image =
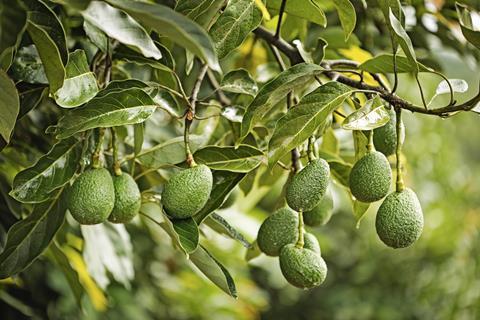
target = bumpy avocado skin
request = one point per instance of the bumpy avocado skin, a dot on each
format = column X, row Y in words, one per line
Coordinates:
column 187, row 192
column 303, row 268
column 385, row 138
column 311, row 243
column 92, row 196
column 127, row 199
column 371, row 177
column 321, row 214
column 399, row 221
column 278, row 230
column 308, row 186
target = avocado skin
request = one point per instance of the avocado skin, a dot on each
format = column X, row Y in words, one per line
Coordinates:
column 278, row 230
column 371, row 177
column 187, row 192
column 127, row 199
column 92, row 196
column 399, row 220
column 303, row 268
column 385, row 137
column 307, row 187
column 321, row 214
column 311, row 243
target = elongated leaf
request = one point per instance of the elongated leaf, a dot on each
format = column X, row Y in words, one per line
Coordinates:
column 234, row 24
column 214, row 270
column 52, row 171
column 239, row 81
column 75, row 4
column 28, row 67
column 28, row 238
column 96, row 36
column 113, row 109
column 372, row 115
column 188, row 234
column 13, row 21
column 30, row 97
column 304, row 9
column 48, row 36
column 219, row 224
column 223, row 183
column 383, row 63
column 253, row 251
column 359, row 210
column 301, row 121
column 469, row 31
column 9, row 106
column 201, row 11
column 242, row 159
column 404, row 41
column 391, row 5
column 80, row 84
column 127, row 54
column 120, row 26
column 177, row 27
column 458, row 85
column 121, row 85
column 275, row 90
column 347, row 15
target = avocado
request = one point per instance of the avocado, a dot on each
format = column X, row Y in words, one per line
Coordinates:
column 399, row 221
column 371, row 177
column 127, row 199
column 187, row 192
column 385, row 137
column 311, row 242
column 302, row 267
column 231, row 198
column 92, row 196
column 321, row 214
column 307, row 187
column 277, row 230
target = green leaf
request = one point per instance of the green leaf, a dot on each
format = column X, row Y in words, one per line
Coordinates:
column 9, row 106
column 48, row 35
column 75, row 4
column 303, row 9
column 271, row 93
column 469, row 31
column 220, row 225
column 27, row 66
column 121, row 85
column 168, row 153
column 116, row 108
column 28, row 238
column 391, row 5
column 241, row 159
column 359, row 210
column 238, row 19
column 13, row 21
column 177, row 27
column 404, row 41
column 96, row 36
column 214, row 270
column 52, row 171
column 253, row 251
column 188, row 234
column 120, row 26
column 383, row 63
column 223, row 183
column 138, row 137
column 201, row 11
column 80, row 84
column 239, row 81
column 127, row 54
column 458, row 85
column 30, row 97
column 301, row 121
column 347, row 15
column 372, row 115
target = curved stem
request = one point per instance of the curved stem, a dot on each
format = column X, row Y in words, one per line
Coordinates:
column 421, row 92
column 400, row 185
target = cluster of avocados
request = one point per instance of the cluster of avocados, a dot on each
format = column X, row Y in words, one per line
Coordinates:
column 281, row 234
column 96, row 196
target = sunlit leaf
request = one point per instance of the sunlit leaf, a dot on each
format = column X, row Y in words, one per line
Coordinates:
column 239, row 81
column 458, row 85
column 241, row 159
column 304, row 9
column 372, row 115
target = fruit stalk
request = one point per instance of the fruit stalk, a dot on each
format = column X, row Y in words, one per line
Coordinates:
column 311, row 148
column 400, row 185
column 370, row 146
column 98, row 149
column 116, row 164
column 300, row 241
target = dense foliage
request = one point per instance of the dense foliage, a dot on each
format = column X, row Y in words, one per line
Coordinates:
column 136, row 135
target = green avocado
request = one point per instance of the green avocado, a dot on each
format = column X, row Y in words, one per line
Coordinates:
column 92, row 196
column 307, row 187
column 399, row 221
column 277, row 230
column 385, row 137
column 231, row 198
column 302, row 267
column 127, row 199
column 311, row 242
column 187, row 192
column 321, row 214
column 371, row 177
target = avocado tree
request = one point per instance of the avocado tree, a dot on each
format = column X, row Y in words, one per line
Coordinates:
column 164, row 112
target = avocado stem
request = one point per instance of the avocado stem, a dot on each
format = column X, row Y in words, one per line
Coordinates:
column 400, row 185
column 370, row 145
column 96, row 163
column 311, row 148
column 300, row 240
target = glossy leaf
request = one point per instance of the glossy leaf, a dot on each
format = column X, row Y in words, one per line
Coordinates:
column 48, row 35
column 172, row 24
column 303, row 120
column 28, row 238
column 253, row 251
column 241, row 159
column 219, row 224
column 470, row 32
column 9, row 106
column 116, row 108
column 121, row 85
column 188, row 234
column 201, row 11
column 303, row 9
column 404, row 41
column 347, row 15
column 359, row 210
column 214, row 270
column 13, row 21
column 372, row 115
column 383, row 63
column 52, row 171
column 127, row 54
column 96, row 36
column 458, row 85
column 238, row 19
column 80, row 84
column 30, row 97
column 275, row 90
column 391, row 5
column 120, row 26
column 28, row 67
column 75, row 4
column 239, row 81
